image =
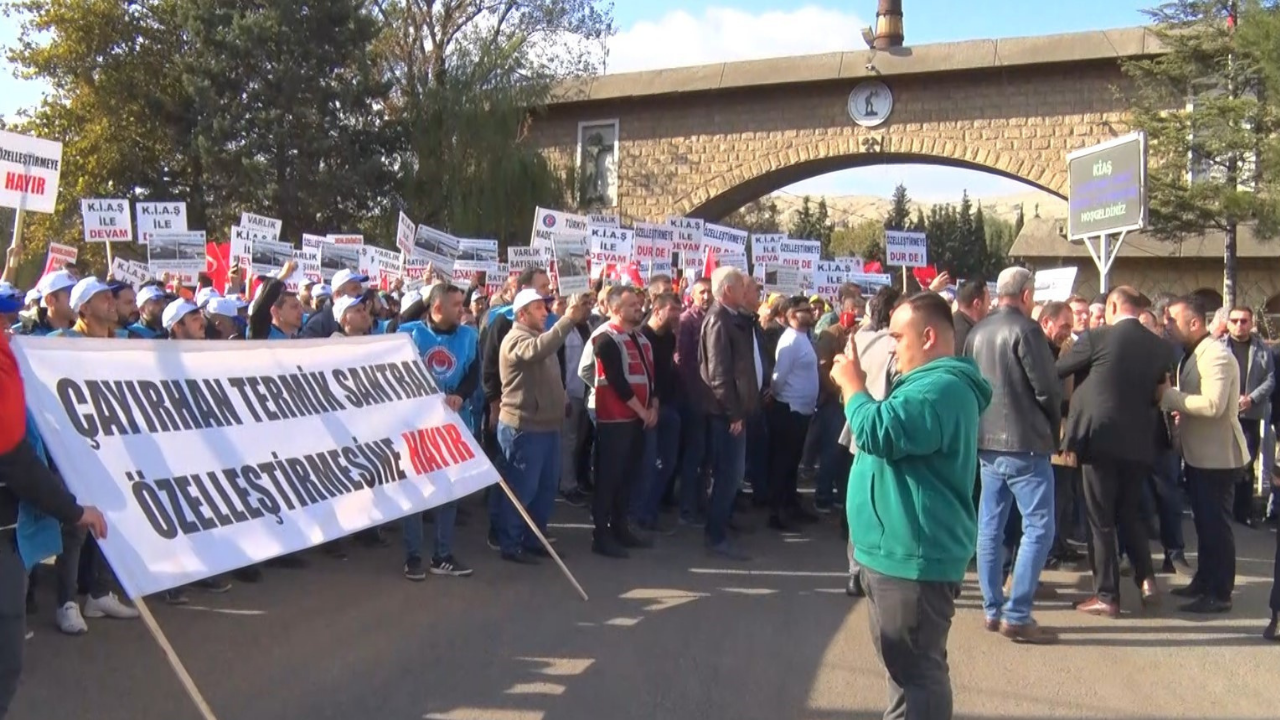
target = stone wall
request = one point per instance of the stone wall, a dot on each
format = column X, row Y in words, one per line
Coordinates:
column 705, row 154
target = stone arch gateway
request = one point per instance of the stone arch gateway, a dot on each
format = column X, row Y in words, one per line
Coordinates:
column 703, row 141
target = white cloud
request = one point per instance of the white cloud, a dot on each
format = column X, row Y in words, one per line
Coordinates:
column 722, row 34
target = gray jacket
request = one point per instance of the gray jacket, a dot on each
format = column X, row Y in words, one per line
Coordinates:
column 1259, row 377
column 875, row 354
column 1014, row 356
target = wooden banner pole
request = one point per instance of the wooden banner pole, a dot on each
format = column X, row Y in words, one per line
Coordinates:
column 175, row 662
column 534, row 527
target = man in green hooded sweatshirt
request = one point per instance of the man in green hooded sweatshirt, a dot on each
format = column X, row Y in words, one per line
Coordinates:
column 910, row 504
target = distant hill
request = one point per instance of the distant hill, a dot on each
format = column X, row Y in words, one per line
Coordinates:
column 853, row 209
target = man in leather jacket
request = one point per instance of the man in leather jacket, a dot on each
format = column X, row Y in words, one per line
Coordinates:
column 1016, row 438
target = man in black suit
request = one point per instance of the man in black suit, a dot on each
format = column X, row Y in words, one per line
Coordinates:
column 1111, row 429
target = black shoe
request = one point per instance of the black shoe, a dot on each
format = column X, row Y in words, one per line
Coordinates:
column 630, row 540
column 1180, row 565
column 520, row 558
column 1206, row 605
column 575, row 498
column 1272, row 633
column 657, row 528
column 1187, row 591
column 777, row 523
column 449, row 565
column 609, row 548
column 251, row 574
column 854, row 588
column 413, row 569
column 540, row 551
column 492, row 540
column 803, row 516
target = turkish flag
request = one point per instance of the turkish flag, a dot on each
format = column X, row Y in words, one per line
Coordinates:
column 217, row 263
column 710, row 263
column 925, row 275
column 872, row 267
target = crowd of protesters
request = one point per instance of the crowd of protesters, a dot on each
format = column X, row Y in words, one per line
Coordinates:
column 699, row 401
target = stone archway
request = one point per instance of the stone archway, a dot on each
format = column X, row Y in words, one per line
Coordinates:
column 735, row 188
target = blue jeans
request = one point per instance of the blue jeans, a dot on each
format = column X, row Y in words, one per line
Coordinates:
column 693, row 489
column 533, row 472
column 446, row 517
column 728, row 461
column 1024, row 479
column 661, row 443
column 833, row 465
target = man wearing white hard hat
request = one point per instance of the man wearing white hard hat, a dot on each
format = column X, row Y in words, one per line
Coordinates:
column 183, row 321
column 54, row 311
column 151, row 301
column 323, row 323
column 95, row 308
column 222, row 319
column 205, row 294
column 351, row 315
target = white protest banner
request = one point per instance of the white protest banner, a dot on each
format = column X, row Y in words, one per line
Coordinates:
column 474, row 257
column 374, row 260
column 415, row 273
column 338, row 257
column 212, row 472
column 829, row 275
column 611, row 245
column 905, row 248
column 688, row 240
column 179, row 253
column 269, row 227
column 437, row 246
column 494, row 281
column 405, row 230
column 802, row 254
column 855, row 260
column 269, row 256
column 782, row 279
column 652, row 248
column 604, row 220
column 30, row 167
column 106, row 220
column 58, row 257
column 765, row 249
column 724, row 238
column 157, row 217
column 134, row 273
column 524, row 258
column 346, row 239
column 547, row 224
column 1055, row 284
column 307, row 267
column 571, row 264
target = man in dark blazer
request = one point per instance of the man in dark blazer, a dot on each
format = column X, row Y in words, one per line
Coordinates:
column 1111, row 428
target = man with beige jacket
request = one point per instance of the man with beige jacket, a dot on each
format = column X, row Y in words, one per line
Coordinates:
column 1205, row 402
column 531, row 413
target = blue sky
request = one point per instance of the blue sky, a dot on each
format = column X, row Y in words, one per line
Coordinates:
column 692, row 32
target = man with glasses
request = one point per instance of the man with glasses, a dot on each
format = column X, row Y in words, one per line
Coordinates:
column 1257, row 380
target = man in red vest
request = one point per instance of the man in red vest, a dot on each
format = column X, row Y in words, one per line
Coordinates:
column 624, row 403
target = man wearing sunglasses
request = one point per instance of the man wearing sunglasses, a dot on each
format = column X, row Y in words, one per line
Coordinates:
column 1257, row 380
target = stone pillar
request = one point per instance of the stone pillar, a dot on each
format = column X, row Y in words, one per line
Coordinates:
column 888, row 24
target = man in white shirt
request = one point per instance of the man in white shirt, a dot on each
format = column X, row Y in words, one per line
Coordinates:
column 795, row 397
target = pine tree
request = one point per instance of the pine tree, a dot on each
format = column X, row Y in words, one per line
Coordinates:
column 1200, row 101
column 1018, row 222
column 979, row 243
column 900, row 212
column 758, row 216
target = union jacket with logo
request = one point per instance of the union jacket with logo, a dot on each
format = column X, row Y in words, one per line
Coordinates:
column 623, row 370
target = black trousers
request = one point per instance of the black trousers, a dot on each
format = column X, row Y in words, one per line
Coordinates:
column 910, row 622
column 787, row 431
column 1275, row 579
column 1064, row 496
column 1113, row 498
column 619, row 456
column 1242, row 506
column 13, row 618
column 1211, row 494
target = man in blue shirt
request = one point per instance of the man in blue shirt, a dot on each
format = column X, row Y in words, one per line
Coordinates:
column 795, row 397
column 450, row 351
column 54, row 311
column 151, row 300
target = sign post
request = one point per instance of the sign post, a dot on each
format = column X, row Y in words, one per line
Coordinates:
column 29, row 172
column 906, row 248
column 1107, row 186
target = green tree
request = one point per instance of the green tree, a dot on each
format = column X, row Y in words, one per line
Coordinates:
column 758, row 216
column 464, row 76
column 866, row 240
column 812, row 222
column 900, row 212
column 999, row 235
column 1018, row 222
column 1200, row 101
column 291, row 111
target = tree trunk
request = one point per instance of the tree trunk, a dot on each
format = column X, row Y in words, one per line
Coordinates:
column 1229, row 267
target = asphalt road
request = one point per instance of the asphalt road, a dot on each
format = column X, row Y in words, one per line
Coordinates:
column 671, row 634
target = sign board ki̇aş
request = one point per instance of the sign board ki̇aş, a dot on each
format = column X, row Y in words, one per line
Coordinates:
column 1107, row 187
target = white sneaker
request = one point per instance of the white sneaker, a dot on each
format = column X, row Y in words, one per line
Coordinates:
column 70, row 621
column 108, row 606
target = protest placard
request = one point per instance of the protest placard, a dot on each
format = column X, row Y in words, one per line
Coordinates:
column 1055, row 284
column 474, row 257
column 375, row 260
column 520, row 259
column 604, row 220
column 134, row 273
column 30, row 168
column 611, row 245
column 345, row 239
column 58, row 256
column 201, row 472
column 548, row 224
column 178, row 253
column 405, row 230
column 106, row 220
column 905, row 248
column 571, row 264
column 765, row 249
column 783, row 279
column 338, row 257
column 269, row 257
column 157, row 217
column 437, row 246
column 269, row 227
